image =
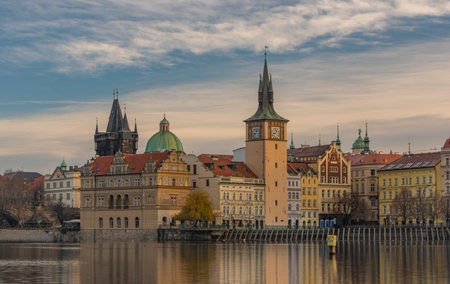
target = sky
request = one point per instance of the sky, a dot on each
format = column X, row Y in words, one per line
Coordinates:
column 387, row 62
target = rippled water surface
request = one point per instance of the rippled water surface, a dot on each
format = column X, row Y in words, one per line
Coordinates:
column 148, row 262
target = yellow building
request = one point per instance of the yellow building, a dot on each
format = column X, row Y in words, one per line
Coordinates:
column 332, row 171
column 410, row 188
column 265, row 152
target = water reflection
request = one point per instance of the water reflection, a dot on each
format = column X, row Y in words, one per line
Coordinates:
column 148, row 262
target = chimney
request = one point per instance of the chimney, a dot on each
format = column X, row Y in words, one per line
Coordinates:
column 76, row 168
column 70, row 168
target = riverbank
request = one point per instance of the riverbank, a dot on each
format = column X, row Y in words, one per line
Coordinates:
column 38, row 236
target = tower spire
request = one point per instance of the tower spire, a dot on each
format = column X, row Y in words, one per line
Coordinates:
column 366, row 141
column 135, row 125
column 292, row 146
column 96, row 125
column 338, row 140
column 320, row 140
column 265, row 96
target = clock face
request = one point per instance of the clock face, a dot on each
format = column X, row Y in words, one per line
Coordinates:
column 255, row 133
column 275, row 132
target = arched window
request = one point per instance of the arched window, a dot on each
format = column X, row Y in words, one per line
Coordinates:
column 174, row 182
column 119, row 223
column 111, row 201
column 126, row 201
column 119, row 202
column 100, row 222
column 126, row 222
column 111, row 222
column 136, row 221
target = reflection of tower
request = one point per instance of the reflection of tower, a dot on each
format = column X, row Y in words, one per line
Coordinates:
column 265, row 152
column 118, row 136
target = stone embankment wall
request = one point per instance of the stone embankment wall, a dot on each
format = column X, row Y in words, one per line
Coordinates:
column 38, row 236
column 118, row 235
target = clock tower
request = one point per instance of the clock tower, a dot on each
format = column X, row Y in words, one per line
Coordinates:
column 266, row 152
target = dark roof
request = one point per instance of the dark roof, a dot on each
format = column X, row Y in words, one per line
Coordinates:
column 24, row 175
column 222, row 165
column 115, row 117
column 265, row 99
column 372, row 159
column 309, row 151
column 414, row 161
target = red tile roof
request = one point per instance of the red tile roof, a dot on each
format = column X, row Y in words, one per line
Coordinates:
column 414, row 161
column 373, row 159
column 136, row 162
column 37, row 183
column 446, row 144
column 296, row 168
column 222, row 165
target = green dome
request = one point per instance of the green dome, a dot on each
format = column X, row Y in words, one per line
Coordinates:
column 164, row 140
column 63, row 164
column 359, row 142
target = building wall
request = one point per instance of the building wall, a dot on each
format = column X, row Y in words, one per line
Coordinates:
column 309, row 199
column 365, row 183
column 445, row 176
column 294, row 199
column 416, row 181
column 267, row 158
column 63, row 185
column 334, row 183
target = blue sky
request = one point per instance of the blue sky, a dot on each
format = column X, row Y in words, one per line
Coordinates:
column 387, row 62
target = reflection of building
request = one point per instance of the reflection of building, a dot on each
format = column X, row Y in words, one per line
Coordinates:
column 64, row 184
column 265, row 152
column 365, row 184
column 333, row 177
column 294, row 175
column 118, row 137
column 236, row 193
column 420, row 176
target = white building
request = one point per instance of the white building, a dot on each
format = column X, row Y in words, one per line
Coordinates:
column 63, row 184
column 294, row 196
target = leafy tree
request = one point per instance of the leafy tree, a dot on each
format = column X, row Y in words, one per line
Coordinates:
column 198, row 207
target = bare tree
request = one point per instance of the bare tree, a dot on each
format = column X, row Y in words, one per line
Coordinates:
column 60, row 211
column 435, row 208
column 403, row 204
column 445, row 208
column 346, row 204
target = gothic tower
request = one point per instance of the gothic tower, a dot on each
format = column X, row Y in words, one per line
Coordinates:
column 118, row 136
column 265, row 153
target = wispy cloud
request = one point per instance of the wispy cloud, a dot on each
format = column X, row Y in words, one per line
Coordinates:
column 92, row 36
column 402, row 91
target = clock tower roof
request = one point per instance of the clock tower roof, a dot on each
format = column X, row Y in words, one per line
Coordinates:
column 265, row 110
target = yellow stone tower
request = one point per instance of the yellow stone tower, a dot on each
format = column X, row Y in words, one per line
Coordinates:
column 266, row 152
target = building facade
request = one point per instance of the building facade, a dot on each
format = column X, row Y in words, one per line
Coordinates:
column 133, row 192
column 294, row 196
column 64, row 185
column 236, row 193
column 333, row 180
column 365, row 184
column 410, row 188
column 445, row 165
column 265, row 152
column 118, row 137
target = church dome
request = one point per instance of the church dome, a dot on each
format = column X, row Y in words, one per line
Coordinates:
column 359, row 142
column 164, row 140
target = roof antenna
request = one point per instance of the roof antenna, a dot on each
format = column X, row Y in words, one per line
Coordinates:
column 409, row 146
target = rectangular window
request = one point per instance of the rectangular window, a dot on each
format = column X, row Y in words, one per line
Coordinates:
column 431, row 179
column 48, row 185
column 68, row 196
column 362, row 187
column 417, row 180
column 372, row 187
column 195, row 170
column 372, row 172
column 61, row 184
column 395, row 181
column 207, row 182
column 173, row 201
column 68, row 184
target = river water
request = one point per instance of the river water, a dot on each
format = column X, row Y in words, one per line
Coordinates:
column 149, row 262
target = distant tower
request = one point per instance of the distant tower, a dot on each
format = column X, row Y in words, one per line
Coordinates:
column 118, row 136
column 358, row 145
column 292, row 146
column 265, row 152
column 338, row 140
column 366, row 142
